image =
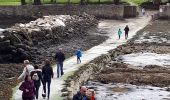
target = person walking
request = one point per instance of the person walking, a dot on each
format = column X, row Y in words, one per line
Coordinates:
column 143, row 11
column 119, row 33
column 28, row 89
column 59, row 57
column 27, row 70
column 36, row 76
column 47, row 74
column 81, row 94
column 126, row 31
column 78, row 54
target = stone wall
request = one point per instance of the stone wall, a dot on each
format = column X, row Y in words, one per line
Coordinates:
column 164, row 11
column 130, row 11
column 101, row 11
column 81, row 76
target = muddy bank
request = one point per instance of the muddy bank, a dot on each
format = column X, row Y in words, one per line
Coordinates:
column 109, row 69
column 9, row 73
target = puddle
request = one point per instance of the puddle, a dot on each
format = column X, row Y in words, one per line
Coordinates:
column 143, row 59
column 153, row 37
column 128, row 92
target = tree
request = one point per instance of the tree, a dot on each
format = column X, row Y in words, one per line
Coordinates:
column 53, row 1
column 82, row 2
column 37, row 2
column 23, row 2
column 156, row 2
column 98, row 1
column 116, row 2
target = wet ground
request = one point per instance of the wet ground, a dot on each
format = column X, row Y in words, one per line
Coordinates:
column 119, row 91
column 142, row 62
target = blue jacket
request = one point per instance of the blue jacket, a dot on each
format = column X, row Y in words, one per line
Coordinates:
column 78, row 53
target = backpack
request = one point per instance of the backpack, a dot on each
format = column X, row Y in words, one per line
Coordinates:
column 35, row 77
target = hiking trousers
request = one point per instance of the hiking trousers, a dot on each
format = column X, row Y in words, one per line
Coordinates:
column 48, row 82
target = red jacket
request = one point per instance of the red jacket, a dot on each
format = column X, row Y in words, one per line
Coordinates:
column 29, row 86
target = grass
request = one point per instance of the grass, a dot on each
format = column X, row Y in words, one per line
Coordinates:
column 136, row 2
column 9, row 3
column 139, row 2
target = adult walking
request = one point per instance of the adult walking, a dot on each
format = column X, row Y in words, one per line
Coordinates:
column 59, row 57
column 47, row 74
column 27, row 70
column 36, row 76
column 28, row 89
column 126, row 31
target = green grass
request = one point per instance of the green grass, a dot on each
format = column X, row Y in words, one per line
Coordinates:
column 9, row 3
column 17, row 2
column 136, row 2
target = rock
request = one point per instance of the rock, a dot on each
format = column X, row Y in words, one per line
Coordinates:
column 5, row 43
column 168, row 89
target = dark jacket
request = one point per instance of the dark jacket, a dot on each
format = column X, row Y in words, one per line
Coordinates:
column 60, row 57
column 47, row 72
column 78, row 96
column 37, row 82
column 126, row 29
column 29, row 86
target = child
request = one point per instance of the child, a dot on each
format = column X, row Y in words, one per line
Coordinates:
column 78, row 54
column 119, row 33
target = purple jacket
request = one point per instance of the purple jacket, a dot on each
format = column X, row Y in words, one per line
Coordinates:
column 29, row 86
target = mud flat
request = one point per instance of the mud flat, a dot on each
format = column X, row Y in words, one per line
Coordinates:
column 119, row 91
column 142, row 61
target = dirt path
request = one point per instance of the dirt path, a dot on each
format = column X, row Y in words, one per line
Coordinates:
column 70, row 64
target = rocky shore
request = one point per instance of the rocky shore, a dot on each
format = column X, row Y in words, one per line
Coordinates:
column 112, row 68
column 39, row 39
column 22, row 41
column 152, row 39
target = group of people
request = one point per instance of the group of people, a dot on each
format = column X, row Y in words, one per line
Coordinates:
column 33, row 76
column 84, row 94
column 126, row 29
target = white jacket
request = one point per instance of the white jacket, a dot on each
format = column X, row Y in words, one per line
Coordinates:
column 26, row 69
